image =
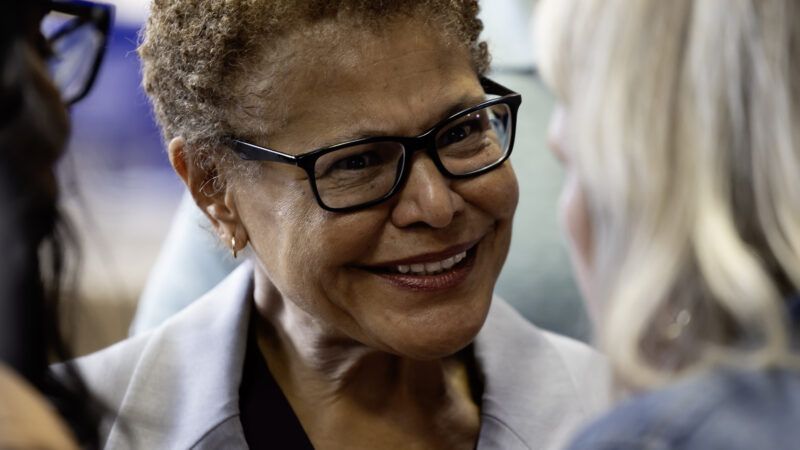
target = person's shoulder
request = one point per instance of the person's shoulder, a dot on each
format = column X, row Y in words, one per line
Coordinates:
column 210, row 327
column 506, row 323
column 190, row 365
column 577, row 355
column 725, row 408
column 515, row 340
column 109, row 371
column 587, row 368
column 538, row 386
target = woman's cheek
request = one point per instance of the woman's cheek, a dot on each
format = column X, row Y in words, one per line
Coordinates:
column 509, row 195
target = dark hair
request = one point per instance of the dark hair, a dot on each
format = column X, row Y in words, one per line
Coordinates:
column 33, row 131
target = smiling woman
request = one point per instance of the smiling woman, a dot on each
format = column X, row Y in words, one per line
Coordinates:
column 362, row 156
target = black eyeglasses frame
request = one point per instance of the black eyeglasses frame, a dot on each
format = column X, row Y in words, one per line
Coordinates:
column 101, row 16
column 426, row 141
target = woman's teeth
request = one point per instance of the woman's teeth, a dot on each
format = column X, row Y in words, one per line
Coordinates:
column 432, row 267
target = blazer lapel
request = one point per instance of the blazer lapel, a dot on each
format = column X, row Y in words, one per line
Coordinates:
column 185, row 385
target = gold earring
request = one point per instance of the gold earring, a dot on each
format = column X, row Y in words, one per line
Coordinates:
column 233, row 246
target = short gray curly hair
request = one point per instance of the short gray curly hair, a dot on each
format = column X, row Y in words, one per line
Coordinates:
column 194, row 51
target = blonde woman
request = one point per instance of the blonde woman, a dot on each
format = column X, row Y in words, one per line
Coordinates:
column 678, row 126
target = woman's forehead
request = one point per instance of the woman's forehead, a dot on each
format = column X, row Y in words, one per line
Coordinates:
column 397, row 82
column 351, row 58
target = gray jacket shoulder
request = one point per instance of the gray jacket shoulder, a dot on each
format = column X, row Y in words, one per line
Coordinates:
column 109, row 371
column 143, row 380
column 539, row 387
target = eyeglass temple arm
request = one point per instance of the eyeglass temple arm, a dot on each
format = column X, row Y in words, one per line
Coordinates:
column 492, row 87
column 255, row 153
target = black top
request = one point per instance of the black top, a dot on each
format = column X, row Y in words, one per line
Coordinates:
column 267, row 418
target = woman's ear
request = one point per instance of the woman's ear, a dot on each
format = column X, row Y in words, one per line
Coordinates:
column 219, row 205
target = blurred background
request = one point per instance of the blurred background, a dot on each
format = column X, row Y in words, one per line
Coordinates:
column 121, row 194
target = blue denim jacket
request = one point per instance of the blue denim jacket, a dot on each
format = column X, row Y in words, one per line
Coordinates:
column 725, row 410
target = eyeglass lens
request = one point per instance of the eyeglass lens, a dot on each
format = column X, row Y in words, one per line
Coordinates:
column 75, row 46
column 363, row 173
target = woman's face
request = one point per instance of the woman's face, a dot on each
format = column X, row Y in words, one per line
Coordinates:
column 343, row 268
column 573, row 210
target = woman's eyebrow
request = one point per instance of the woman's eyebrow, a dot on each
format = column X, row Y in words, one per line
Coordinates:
column 466, row 101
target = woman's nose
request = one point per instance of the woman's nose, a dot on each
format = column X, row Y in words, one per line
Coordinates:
column 427, row 197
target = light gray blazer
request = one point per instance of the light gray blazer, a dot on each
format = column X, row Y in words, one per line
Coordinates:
column 177, row 387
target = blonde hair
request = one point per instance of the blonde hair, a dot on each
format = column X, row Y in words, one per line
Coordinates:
column 686, row 124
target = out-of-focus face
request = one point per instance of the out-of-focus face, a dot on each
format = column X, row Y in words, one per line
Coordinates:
column 26, row 420
column 346, row 269
column 573, row 209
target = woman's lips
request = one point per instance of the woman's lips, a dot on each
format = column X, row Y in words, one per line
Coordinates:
column 431, row 268
column 431, row 276
column 426, row 257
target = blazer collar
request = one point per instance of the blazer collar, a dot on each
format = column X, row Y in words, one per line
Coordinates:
column 186, row 382
column 529, row 391
column 533, row 398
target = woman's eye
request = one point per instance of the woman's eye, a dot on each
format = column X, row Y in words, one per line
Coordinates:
column 357, row 162
column 456, row 134
column 470, row 128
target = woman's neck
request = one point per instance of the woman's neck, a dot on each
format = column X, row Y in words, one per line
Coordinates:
column 335, row 383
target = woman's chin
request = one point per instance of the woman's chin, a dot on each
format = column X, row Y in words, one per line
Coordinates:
column 437, row 338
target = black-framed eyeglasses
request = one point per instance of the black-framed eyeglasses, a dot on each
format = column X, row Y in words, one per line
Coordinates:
column 364, row 172
column 77, row 33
